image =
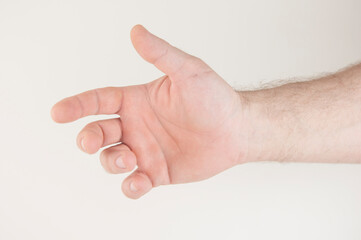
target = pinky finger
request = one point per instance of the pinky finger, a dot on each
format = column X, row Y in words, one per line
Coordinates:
column 136, row 185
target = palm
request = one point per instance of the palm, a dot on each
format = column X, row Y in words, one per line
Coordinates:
column 179, row 128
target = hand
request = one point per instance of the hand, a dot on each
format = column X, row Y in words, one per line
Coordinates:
column 185, row 126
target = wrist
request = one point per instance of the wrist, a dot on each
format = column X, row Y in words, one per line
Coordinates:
column 268, row 139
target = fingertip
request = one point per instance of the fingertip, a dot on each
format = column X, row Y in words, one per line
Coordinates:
column 138, row 38
column 89, row 142
column 136, row 185
column 118, row 159
column 137, row 29
column 64, row 111
column 54, row 113
column 147, row 45
column 129, row 161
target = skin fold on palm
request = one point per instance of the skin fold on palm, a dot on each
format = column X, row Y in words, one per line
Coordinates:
column 185, row 126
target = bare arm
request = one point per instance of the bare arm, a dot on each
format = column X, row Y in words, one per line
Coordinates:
column 313, row 121
column 189, row 124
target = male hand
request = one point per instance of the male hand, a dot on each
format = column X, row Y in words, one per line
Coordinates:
column 185, row 126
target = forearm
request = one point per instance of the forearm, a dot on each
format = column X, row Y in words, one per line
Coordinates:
column 313, row 121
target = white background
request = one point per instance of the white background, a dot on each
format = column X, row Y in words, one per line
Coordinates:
column 52, row 49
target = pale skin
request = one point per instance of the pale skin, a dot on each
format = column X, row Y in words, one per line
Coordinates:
column 189, row 124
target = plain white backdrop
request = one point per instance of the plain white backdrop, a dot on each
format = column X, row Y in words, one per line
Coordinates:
column 51, row 49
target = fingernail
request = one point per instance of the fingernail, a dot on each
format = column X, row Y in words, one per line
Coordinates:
column 119, row 162
column 132, row 187
column 82, row 144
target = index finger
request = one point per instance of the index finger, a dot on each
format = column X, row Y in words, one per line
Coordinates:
column 98, row 101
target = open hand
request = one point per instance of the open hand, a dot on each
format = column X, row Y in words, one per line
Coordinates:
column 185, row 126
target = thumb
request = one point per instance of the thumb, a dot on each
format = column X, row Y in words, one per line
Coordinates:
column 168, row 59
